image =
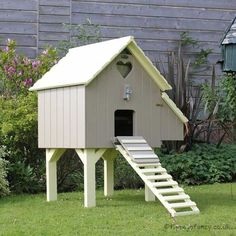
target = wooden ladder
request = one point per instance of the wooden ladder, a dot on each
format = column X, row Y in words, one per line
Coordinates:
column 145, row 162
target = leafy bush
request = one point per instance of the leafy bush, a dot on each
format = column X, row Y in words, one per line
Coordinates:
column 18, row 117
column 18, row 72
column 125, row 176
column 220, row 102
column 186, row 93
column 204, row 164
column 18, row 133
column 4, row 186
column 70, row 173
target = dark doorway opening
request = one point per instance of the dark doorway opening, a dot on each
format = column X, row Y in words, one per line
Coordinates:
column 124, row 123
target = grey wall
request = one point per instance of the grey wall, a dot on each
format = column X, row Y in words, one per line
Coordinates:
column 61, row 120
column 104, row 95
column 156, row 24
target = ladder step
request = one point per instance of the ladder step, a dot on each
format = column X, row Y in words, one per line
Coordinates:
column 182, row 204
column 133, row 141
column 177, row 197
column 170, row 190
column 158, row 177
column 129, row 137
column 144, row 156
column 153, row 170
column 185, row 213
column 146, row 160
column 157, row 164
column 139, row 148
column 164, row 184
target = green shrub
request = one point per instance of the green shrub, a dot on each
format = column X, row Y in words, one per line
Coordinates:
column 18, row 72
column 204, row 164
column 4, row 186
column 18, row 133
column 70, row 173
column 125, row 176
column 18, row 117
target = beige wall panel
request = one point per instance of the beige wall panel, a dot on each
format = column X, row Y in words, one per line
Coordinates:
column 60, row 117
column 105, row 95
column 81, row 116
column 41, row 123
column 172, row 127
column 65, row 122
column 92, row 116
column 155, row 112
column 67, row 117
column 53, row 117
column 47, row 117
column 73, row 116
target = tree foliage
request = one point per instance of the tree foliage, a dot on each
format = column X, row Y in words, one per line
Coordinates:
column 220, row 102
column 18, row 116
column 4, row 185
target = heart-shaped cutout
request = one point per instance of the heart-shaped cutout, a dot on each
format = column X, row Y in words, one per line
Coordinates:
column 124, row 68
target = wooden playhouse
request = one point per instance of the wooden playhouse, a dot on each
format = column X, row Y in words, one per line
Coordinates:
column 108, row 97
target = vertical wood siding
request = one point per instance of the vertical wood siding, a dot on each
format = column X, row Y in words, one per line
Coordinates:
column 79, row 117
column 104, row 96
column 61, row 118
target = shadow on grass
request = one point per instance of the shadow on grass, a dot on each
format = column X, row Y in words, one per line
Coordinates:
column 204, row 200
column 124, row 199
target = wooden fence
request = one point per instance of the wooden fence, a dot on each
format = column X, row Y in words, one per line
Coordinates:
column 156, row 24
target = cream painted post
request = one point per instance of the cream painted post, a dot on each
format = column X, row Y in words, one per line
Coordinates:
column 109, row 157
column 149, row 196
column 52, row 156
column 89, row 157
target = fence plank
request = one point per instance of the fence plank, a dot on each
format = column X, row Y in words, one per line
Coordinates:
column 22, row 40
column 151, row 10
column 53, row 27
column 161, row 34
column 19, row 4
column 213, row 4
column 18, row 28
column 54, row 2
column 18, row 16
column 153, row 22
column 54, row 10
column 54, row 19
column 53, row 36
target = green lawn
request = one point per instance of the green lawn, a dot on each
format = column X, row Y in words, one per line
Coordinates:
column 126, row 213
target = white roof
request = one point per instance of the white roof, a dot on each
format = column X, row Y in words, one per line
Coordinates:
column 82, row 64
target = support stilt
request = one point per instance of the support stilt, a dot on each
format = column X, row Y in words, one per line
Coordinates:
column 109, row 157
column 52, row 156
column 89, row 157
column 149, row 196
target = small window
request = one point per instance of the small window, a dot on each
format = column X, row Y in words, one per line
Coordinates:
column 124, row 67
column 124, row 122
